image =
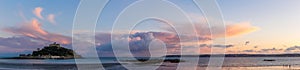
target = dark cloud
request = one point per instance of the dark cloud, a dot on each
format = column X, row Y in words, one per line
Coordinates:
column 223, row 46
column 270, row 50
column 255, row 46
column 217, row 45
column 292, row 48
column 204, row 45
column 247, row 42
column 248, row 51
column 139, row 42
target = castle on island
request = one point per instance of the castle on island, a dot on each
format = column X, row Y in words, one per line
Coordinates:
column 52, row 51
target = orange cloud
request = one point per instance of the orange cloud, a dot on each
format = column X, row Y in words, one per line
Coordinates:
column 35, row 25
column 37, row 12
column 239, row 29
column 51, row 18
column 203, row 30
column 33, row 29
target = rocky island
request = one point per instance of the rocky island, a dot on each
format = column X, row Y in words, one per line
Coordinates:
column 53, row 51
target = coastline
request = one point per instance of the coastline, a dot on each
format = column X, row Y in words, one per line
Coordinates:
column 117, row 66
column 40, row 58
column 231, row 63
column 53, row 66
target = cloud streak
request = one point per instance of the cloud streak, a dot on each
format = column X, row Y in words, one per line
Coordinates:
column 292, row 48
column 216, row 45
column 232, row 29
column 240, row 29
column 33, row 29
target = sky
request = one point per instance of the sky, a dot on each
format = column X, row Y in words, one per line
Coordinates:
column 252, row 27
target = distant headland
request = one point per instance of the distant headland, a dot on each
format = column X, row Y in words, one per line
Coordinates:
column 52, row 51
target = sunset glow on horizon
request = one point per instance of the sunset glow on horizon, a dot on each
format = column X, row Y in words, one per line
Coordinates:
column 252, row 27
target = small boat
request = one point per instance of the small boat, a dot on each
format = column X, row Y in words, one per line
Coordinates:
column 269, row 60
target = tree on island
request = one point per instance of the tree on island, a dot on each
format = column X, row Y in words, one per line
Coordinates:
column 52, row 50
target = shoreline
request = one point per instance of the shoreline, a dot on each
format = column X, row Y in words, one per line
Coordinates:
column 116, row 66
column 42, row 58
column 54, row 66
column 256, row 63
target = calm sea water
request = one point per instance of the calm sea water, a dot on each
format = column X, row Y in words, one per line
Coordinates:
column 230, row 63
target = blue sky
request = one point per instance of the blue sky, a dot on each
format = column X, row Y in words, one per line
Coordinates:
column 64, row 11
column 267, row 24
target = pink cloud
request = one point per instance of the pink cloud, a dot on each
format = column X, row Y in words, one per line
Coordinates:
column 234, row 29
column 33, row 29
column 240, row 29
column 51, row 18
column 37, row 12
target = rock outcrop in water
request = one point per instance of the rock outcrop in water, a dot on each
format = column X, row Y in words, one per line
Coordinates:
column 53, row 51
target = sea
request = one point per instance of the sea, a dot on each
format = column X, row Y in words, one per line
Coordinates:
column 125, row 63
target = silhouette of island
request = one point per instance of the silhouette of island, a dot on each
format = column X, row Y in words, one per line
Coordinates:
column 53, row 51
